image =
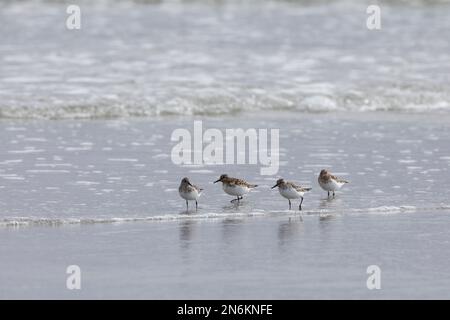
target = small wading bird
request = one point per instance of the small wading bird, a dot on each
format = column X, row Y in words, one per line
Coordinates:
column 235, row 187
column 328, row 182
column 189, row 192
column 290, row 190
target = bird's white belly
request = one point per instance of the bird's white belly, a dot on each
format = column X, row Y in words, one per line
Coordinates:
column 331, row 185
column 235, row 190
column 290, row 193
column 192, row 195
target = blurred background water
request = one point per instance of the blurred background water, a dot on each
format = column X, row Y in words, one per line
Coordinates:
column 148, row 58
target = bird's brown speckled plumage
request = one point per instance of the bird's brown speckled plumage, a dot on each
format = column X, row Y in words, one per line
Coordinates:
column 235, row 181
column 288, row 184
column 326, row 176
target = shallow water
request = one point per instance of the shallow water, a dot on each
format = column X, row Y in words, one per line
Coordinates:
column 255, row 258
column 87, row 171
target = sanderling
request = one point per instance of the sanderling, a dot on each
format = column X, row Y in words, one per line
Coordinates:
column 290, row 190
column 189, row 192
column 235, row 187
column 328, row 182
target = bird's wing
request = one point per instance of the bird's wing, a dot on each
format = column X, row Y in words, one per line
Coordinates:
column 299, row 188
column 198, row 188
column 338, row 179
column 243, row 182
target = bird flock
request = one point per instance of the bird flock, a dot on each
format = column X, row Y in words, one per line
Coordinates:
column 237, row 188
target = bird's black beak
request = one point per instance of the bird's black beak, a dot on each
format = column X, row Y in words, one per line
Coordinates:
column 190, row 184
column 216, row 181
column 274, row 186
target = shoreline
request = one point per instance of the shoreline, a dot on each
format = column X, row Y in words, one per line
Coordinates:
column 24, row 222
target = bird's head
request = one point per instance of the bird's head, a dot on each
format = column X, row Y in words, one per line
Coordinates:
column 221, row 178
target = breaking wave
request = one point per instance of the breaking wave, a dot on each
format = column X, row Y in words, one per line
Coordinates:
column 156, row 58
column 220, row 105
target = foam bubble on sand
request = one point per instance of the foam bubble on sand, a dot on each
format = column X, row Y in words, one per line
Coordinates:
column 161, row 156
column 35, row 139
column 48, row 171
column 406, row 141
column 387, row 210
column 30, row 221
column 11, row 177
column 201, row 171
column 86, row 183
column 123, row 160
column 74, row 149
column 9, row 162
column 26, row 151
column 406, row 161
column 53, row 165
column 16, row 129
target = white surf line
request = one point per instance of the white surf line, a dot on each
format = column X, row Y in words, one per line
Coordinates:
column 25, row 221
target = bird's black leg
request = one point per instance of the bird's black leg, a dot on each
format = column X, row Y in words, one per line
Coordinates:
column 333, row 194
column 196, row 205
column 300, row 206
column 328, row 194
column 289, row 204
column 187, row 205
column 237, row 199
